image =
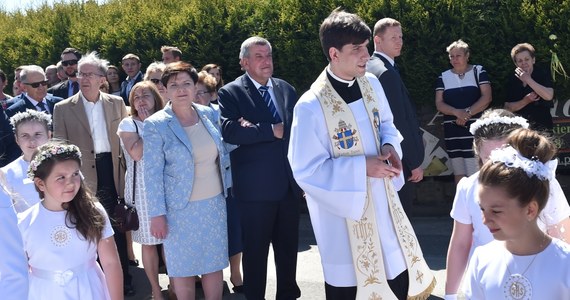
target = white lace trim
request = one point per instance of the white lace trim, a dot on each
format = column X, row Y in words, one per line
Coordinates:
column 496, row 119
column 513, row 159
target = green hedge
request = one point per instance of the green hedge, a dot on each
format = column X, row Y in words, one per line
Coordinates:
column 212, row 30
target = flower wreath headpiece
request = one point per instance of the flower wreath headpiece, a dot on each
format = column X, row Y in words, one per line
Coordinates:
column 49, row 151
column 497, row 119
column 532, row 167
column 30, row 115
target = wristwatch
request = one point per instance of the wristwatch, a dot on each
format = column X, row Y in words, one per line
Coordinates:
column 468, row 110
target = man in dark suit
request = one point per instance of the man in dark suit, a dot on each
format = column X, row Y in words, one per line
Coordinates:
column 132, row 66
column 3, row 83
column 387, row 45
column 34, row 96
column 257, row 111
column 9, row 149
column 69, row 87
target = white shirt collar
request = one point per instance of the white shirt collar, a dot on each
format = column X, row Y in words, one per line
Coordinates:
column 257, row 84
column 34, row 101
column 386, row 57
column 134, row 77
column 85, row 101
column 349, row 82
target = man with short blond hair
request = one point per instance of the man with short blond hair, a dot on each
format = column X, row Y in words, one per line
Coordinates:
column 131, row 64
column 170, row 54
column 388, row 44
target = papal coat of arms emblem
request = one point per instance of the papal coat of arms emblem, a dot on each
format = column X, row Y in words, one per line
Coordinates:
column 345, row 136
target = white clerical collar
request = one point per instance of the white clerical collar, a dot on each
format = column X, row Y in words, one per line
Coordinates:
column 386, row 57
column 349, row 82
column 257, row 84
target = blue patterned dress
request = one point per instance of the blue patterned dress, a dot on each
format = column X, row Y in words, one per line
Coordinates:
column 197, row 230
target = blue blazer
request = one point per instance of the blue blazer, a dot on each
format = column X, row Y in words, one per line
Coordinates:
column 260, row 169
column 169, row 162
column 13, row 100
column 124, row 84
column 24, row 103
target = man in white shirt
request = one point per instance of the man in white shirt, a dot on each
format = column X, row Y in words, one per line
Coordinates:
column 89, row 120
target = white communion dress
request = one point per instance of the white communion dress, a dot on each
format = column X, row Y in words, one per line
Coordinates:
column 63, row 264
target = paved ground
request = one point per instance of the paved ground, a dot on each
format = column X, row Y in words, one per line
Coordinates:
column 433, row 233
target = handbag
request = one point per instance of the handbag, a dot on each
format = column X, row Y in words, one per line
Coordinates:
column 126, row 216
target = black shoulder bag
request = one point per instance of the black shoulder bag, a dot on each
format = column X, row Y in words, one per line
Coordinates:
column 126, row 216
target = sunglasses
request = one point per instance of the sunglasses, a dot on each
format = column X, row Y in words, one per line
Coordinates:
column 37, row 84
column 66, row 63
column 155, row 81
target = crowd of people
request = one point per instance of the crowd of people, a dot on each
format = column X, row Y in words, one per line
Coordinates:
column 217, row 173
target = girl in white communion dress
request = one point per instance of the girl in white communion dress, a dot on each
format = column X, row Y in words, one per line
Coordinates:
column 523, row 262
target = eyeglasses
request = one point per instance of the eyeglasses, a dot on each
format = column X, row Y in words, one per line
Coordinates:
column 201, row 93
column 37, row 84
column 155, row 81
column 66, row 63
column 88, row 75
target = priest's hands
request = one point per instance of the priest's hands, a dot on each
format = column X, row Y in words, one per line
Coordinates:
column 377, row 166
column 393, row 158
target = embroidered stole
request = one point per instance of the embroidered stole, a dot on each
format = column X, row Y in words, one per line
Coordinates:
column 365, row 240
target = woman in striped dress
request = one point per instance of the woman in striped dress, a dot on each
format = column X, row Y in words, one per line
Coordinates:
column 461, row 94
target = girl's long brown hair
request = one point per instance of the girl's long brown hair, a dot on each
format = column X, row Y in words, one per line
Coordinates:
column 81, row 212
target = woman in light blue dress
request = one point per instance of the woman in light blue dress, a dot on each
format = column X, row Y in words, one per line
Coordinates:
column 187, row 176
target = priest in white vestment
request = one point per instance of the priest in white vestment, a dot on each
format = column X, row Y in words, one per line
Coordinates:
column 336, row 188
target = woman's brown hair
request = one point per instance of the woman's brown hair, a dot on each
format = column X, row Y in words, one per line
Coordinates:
column 158, row 103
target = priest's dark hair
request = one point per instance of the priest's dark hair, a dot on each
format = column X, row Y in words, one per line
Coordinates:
column 341, row 28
